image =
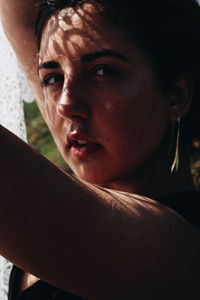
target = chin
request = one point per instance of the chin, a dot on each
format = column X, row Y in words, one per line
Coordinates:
column 91, row 177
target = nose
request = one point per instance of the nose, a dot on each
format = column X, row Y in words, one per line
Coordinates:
column 72, row 106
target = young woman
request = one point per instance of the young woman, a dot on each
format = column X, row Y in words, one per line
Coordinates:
column 119, row 89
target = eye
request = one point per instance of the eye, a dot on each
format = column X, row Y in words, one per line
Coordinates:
column 52, row 79
column 105, row 71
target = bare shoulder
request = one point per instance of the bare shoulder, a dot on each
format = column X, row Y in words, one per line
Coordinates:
column 151, row 214
column 142, row 206
column 165, row 247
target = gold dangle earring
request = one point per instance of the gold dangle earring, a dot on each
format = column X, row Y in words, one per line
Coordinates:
column 175, row 164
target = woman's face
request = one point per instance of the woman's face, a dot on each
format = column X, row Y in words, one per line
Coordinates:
column 103, row 105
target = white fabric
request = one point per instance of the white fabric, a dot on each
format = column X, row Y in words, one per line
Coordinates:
column 5, row 269
column 13, row 89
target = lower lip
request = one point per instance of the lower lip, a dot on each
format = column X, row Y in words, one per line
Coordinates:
column 84, row 151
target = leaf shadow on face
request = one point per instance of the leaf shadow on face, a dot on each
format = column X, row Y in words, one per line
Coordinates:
column 81, row 22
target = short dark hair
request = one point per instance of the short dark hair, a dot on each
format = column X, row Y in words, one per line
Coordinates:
column 168, row 31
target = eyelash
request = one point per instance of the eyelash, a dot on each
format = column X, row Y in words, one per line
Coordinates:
column 46, row 80
column 111, row 71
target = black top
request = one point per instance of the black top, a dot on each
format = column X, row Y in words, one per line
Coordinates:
column 40, row 290
column 186, row 204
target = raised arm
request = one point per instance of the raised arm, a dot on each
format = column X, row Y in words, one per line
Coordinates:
column 96, row 243
column 18, row 19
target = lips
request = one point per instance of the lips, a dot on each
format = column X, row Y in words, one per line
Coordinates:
column 81, row 145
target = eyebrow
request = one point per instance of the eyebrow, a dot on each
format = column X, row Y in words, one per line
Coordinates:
column 103, row 53
column 86, row 58
column 49, row 65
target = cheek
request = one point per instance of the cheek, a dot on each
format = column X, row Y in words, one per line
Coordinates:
column 134, row 117
column 51, row 110
column 116, row 111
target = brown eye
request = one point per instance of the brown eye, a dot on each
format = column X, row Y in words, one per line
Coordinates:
column 105, row 71
column 52, row 79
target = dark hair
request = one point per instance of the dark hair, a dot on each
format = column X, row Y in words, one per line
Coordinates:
column 168, row 31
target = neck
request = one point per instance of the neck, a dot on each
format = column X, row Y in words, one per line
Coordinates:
column 155, row 179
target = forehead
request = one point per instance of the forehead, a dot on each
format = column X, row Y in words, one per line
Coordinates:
column 71, row 29
column 73, row 33
column 83, row 29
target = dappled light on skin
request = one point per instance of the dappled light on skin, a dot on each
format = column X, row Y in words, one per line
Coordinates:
column 74, row 40
column 134, row 204
column 111, row 122
column 76, row 23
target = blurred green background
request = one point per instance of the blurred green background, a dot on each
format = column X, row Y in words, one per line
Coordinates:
column 39, row 136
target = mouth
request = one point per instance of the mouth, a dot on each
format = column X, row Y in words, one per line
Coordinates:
column 80, row 147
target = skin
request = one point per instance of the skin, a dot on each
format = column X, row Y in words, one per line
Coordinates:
column 168, row 252
column 21, row 15
column 108, row 100
column 111, row 100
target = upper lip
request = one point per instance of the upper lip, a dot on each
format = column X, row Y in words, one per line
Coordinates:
column 76, row 136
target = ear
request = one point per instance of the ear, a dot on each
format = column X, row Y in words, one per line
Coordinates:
column 181, row 95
